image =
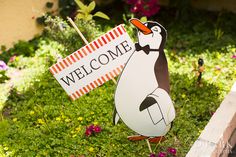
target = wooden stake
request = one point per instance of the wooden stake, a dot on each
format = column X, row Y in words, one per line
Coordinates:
column 158, row 143
column 77, row 30
column 114, row 80
column 149, row 146
column 82, row 36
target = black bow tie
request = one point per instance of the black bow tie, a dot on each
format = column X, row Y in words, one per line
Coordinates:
column 146, row 48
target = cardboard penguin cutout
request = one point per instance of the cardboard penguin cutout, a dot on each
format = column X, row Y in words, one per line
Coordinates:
column 142, row 98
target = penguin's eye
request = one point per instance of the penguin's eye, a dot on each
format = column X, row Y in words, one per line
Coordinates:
column 157, row 29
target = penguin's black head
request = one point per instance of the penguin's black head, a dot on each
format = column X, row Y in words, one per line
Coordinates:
column 163, row 32
column 150, row 33
column 154, row 35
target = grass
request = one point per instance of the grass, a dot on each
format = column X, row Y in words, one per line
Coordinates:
column 38, row 119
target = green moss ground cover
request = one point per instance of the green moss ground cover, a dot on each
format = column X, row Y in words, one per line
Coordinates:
column 38, row 119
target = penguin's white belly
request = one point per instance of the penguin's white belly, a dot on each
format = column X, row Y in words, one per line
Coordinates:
column 136, row 82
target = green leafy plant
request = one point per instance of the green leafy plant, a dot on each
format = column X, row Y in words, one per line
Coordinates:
column 3, row 76
column 84, row 11
column 58, row 29
column 143, row 19
column 218, row 33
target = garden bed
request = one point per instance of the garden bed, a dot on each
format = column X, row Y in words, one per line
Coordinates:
column 38, row 119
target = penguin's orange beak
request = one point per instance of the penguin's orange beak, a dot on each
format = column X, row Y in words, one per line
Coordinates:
column 140, row 26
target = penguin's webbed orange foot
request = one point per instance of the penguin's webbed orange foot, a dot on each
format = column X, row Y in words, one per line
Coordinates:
column 157, row 139
column 137, row 138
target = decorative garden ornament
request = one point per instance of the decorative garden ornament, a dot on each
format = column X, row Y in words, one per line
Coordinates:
column 142, row 97
column 200, row 71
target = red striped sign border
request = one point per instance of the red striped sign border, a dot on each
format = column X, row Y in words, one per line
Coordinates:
column 86, row 50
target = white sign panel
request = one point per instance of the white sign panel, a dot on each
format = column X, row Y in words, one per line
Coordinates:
column 95, row 63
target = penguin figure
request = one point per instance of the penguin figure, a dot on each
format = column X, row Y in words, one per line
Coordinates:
column 142, row 98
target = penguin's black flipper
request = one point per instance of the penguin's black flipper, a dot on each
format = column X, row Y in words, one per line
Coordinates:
column 147, row 102
column 116, row 117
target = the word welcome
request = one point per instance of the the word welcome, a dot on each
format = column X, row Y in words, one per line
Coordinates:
column 96, row 63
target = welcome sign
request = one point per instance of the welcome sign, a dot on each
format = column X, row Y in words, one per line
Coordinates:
column 95, row 63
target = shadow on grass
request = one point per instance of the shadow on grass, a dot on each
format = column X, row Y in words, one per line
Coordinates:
column 43, row 121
